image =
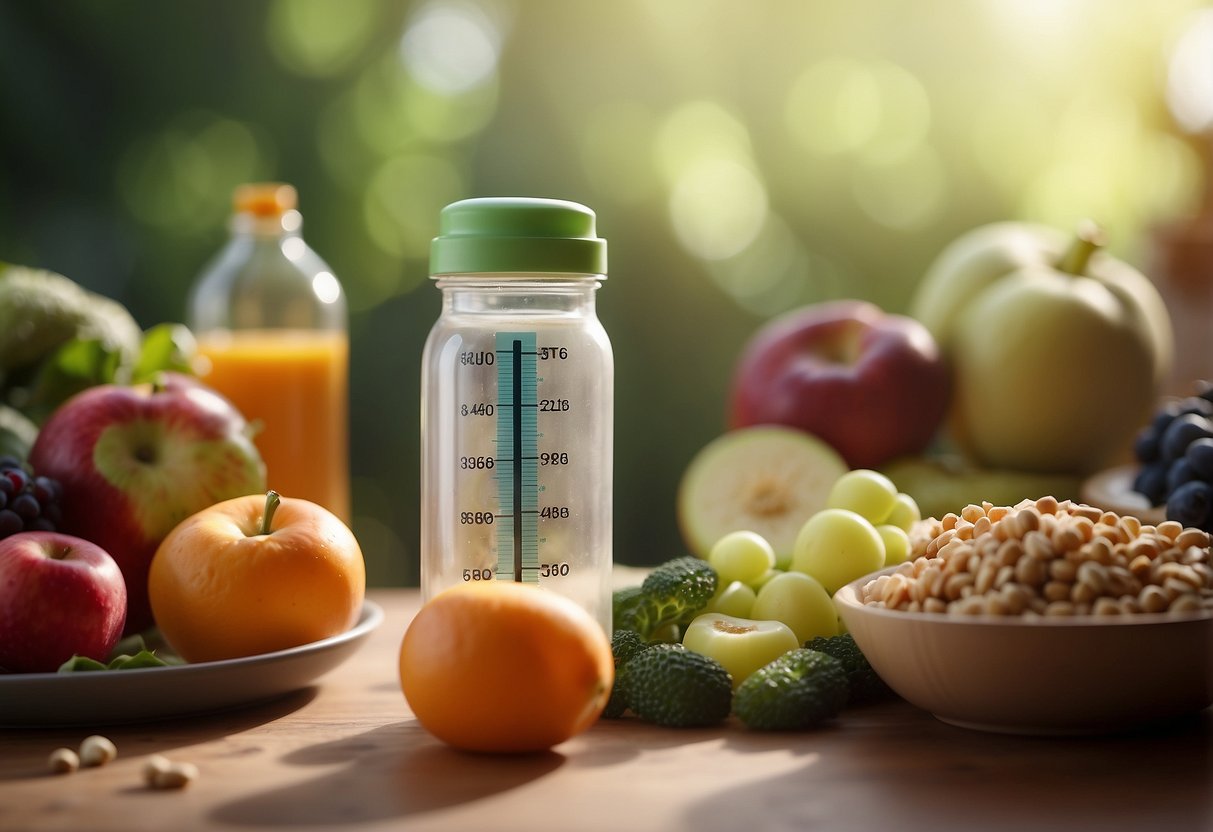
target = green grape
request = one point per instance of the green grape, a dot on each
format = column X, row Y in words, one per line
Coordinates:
column 896, row 544
column 867, row 493
column 736, row 599
column 741, row 556
column 837, row 546
column 905, row 513
column 761, row 580
column 800, row 602
column 741, row 645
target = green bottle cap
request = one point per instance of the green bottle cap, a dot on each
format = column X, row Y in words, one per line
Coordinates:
column 517, row 235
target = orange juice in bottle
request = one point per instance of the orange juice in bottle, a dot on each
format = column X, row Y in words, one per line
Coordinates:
column 271, row 324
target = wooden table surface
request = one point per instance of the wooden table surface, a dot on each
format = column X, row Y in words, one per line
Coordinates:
column 347, row 754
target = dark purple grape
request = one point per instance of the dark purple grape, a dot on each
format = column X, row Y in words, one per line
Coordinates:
column 1164, row 416
column 27, row 502
column 1179, row 472
column 1194, row 404
column 1200, row 457
column 1151, row 482
column 1145, row 446
column 10, row 523
column 26, row 507
column 18, row 478
column 1182, row 432
column 7, row 461
column 1204, row 390
column 1191, row 503
column 45, row 489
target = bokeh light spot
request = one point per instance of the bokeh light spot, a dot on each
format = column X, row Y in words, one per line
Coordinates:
column 450, row 46
column 1190, row 77
column 771, row 274
column 404, row 198
column 699, row 131
column 180, row 179
column 834, row 107
column 717, row 208
column 326, row 287
column 319, row 38
column 905, row 194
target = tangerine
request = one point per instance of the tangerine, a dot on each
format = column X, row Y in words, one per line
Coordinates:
column 505, row 667
column 253, row 575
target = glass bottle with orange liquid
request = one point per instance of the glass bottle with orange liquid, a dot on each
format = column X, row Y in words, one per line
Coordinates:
column 272, row 328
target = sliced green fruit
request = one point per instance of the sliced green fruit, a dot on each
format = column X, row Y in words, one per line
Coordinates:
column 766, row 479
column 741, row 645
column 947, row 484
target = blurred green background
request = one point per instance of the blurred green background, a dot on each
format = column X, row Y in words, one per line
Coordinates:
column 744, row 158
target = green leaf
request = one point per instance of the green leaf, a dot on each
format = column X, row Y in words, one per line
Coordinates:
column 73, row 367
column 165, row 347
column 78, row 664
column 144, row 658
column 130, row 653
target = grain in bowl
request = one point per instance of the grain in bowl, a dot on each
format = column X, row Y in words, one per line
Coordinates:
column 1048, row 558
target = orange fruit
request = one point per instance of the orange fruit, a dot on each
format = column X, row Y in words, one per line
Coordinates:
column 505, row 667
column 226, row 583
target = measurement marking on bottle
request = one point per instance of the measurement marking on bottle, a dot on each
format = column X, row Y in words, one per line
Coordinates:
column 517, row 469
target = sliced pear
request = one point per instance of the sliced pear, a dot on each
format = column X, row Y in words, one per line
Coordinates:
column 948, row 483
column 766, row 479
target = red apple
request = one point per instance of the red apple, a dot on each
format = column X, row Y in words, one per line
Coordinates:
column 59, row 596
column 136, row 461
column 871, row 384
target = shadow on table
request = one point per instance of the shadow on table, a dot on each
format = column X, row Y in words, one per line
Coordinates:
column 922, row 774
column 390, row 772
column 162, row 735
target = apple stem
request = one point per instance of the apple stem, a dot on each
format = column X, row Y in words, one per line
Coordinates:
column 1088, row 239
column 272, row 501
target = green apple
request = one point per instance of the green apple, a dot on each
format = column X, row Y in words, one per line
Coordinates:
column 1058, row 353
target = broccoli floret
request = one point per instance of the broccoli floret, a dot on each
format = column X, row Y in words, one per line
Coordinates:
column 669, row 685
column 623, row 606
column 625, row 646
column 799, row 690
column 673, row 593
column 864, row 683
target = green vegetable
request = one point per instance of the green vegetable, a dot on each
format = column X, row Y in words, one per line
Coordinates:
column 862, row 681
column 669, row 685
column 623, row 603
column 41, row 311
column 625, row 646
column 57, row 339
column 672, row 594
column 131, row 653
column 799, row 690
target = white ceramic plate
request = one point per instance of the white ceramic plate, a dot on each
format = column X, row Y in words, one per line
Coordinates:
column 106, row 697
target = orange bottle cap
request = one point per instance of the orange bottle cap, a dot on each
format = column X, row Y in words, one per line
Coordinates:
column 264, row 199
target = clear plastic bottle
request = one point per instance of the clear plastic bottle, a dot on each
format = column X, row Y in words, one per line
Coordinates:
column 272, row 328
column 517, row 397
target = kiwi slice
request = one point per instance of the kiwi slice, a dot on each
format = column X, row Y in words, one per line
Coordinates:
column 766, row 479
